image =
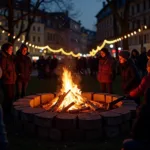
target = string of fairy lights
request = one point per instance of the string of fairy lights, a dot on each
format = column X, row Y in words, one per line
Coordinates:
column 93, row 52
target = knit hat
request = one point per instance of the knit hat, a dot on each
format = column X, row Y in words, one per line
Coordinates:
column 148, row 53
column 148, row 63
column 125, row 54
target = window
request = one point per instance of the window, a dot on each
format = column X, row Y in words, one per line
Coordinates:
column 33, row 28
column 138, row 23
column 144, row 20
column 39, row 29
column 39, row 39
column 132, row 10
column 138, row 8
column 33, row 39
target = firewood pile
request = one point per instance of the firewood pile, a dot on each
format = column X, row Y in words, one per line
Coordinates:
column 86, row 106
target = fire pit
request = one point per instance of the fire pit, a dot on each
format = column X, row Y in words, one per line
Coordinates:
column 73, row 115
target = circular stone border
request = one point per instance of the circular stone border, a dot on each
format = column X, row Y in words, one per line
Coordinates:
column 73, row 127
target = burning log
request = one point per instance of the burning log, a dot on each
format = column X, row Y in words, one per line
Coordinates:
column 50, row 104
column 59, row 102
column 78, row 110
column 91, row 105
column 67, row 107
column 99, row 105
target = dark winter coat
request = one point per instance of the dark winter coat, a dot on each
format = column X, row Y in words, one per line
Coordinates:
column 3, row 138
column 23, row 67
column 41, row 64
column 7, row 63
column 129, row 76
column 141, row 126
column 142, row 61
column 106, row 71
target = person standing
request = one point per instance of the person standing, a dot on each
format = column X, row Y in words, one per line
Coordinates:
column 23, row 70
column 41, row 64
column 106, row 71
column 3, row 137
column 129, row 74
column 7, row 63
column 139, row 138
column 135, row 57
column 143, row 61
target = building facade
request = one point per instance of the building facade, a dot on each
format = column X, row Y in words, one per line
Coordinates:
column 56, row 30
column 139, row 17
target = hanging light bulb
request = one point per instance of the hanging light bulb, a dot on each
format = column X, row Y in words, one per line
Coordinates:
column 145, row 27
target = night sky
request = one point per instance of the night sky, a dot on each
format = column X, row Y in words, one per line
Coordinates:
column 88, row 10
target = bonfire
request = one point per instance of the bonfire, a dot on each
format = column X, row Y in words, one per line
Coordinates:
column 69, row 97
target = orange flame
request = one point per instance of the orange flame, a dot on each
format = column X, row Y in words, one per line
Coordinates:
column 74, row 95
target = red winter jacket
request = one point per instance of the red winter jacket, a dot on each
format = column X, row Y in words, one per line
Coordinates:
column 142, row 88
column 106, row 70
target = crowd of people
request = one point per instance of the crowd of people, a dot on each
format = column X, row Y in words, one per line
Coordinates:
column 84, row 66
column 134, row 69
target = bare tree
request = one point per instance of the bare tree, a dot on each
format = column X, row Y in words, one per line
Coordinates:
column 28, row 10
